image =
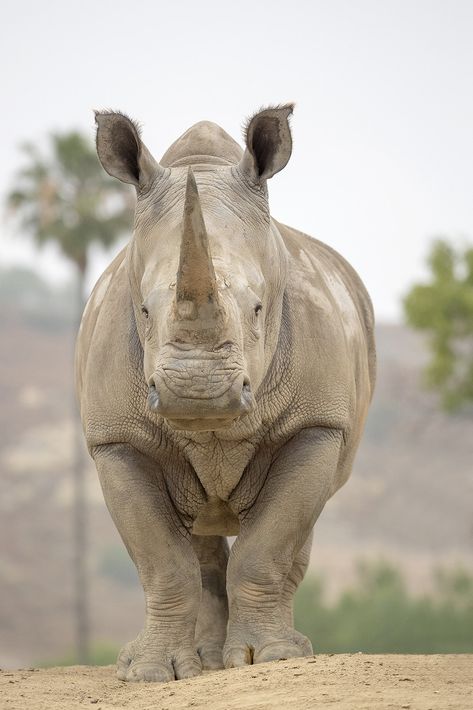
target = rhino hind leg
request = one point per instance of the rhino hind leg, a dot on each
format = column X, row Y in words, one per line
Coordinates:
column 211, row 626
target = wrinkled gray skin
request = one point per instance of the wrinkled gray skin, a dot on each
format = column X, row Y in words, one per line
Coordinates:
column 225, row 364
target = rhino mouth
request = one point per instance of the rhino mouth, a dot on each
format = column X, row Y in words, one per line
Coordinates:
column 200, row 424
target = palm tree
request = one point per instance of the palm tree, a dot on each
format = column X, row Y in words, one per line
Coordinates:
column 68, row 199
column 65, row 197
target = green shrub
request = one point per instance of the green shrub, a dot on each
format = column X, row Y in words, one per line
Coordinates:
column 102, row 653
column 378, row 615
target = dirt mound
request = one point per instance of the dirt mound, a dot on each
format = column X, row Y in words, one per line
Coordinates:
column 344, row 682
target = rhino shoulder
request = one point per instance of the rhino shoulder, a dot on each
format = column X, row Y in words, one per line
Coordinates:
column 91, row 314
column 111, row 388
column 311, row 255
column 328, row 338
column 334, row 292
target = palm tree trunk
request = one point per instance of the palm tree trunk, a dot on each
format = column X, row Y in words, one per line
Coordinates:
column 80, row 541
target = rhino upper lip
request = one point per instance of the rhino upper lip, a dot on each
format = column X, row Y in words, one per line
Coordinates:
column 207, row 393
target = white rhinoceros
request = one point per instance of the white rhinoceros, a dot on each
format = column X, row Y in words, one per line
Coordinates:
column 225, row 364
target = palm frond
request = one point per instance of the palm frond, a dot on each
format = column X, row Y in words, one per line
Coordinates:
column 64, row 196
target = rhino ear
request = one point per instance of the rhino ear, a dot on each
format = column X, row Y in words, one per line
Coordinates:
column 121, row 151
column 268, row 143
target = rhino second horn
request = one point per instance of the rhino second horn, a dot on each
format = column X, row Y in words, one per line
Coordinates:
column 196, row 282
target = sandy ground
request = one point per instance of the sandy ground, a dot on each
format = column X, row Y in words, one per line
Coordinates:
column 342, row 681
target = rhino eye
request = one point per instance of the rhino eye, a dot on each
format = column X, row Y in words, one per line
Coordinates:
column 144, row 311
column 258, row 308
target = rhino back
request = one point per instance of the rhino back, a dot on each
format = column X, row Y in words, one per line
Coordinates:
column 203, row 142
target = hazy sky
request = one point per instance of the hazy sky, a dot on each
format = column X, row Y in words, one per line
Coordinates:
column 383, row 127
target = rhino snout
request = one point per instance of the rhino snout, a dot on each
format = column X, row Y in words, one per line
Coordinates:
column 201, row 403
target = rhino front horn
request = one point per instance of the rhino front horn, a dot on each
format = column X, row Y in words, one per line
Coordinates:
column 196, row 283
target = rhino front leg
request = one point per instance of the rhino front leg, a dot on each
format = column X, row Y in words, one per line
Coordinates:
column 162, row 551
column 211, row 628
column 272, row 534
column 293, row 579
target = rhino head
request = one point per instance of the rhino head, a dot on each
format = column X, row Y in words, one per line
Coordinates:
column 206, row 264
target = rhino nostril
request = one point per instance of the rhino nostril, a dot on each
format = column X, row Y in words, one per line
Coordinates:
column 226, row 345
column 246, row 400
column 153, row 397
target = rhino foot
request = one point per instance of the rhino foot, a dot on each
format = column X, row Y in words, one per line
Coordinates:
column 147, row 660
column 243, row 649
column 211, row 656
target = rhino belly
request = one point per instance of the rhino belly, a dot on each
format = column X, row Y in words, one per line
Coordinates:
column 215, row 517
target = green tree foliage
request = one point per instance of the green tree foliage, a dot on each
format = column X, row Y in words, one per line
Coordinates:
column 101, row 654
column 65, row 197
column 443, row 307
column 379, row 615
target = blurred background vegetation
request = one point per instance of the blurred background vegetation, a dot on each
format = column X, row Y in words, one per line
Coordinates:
column 443, row 308
column 378, row 614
